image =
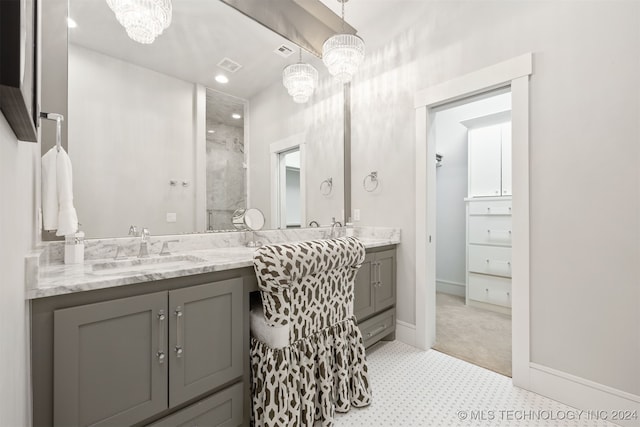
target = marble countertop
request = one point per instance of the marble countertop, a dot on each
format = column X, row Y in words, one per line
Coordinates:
column 58, row 278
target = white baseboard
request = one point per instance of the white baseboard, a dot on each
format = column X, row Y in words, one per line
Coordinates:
column 406, row 332
column 595, row 399
column 451, row 288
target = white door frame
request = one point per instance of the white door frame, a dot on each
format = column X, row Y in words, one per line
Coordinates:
column 287, row 144
column 514, row 73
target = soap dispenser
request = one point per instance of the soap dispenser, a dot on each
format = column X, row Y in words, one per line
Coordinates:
column 349, row 232
column 74, row 248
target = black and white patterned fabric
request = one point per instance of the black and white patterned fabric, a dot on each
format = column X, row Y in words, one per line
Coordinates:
column 309, row 286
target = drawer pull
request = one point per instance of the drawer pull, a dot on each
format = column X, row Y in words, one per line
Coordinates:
column 160, row 353
column 498, row 231
column 377, row 330
column 508, row 263
column 498, row 210
column 179, row 348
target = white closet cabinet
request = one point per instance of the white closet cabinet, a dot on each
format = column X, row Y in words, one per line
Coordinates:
column 489, row 253
column 490, row 160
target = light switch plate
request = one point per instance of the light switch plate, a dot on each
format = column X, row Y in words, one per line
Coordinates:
column 172, row 217
column 356, row 214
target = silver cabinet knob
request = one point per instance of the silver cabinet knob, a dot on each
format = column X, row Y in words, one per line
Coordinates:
column 161, row 356
column 179, row 351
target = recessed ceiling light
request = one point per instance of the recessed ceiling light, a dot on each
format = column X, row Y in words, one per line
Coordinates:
column 211, row 131
column 71, row 23
column 236, row 116
column 221, row 78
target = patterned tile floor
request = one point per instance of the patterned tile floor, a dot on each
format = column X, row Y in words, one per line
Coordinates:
column 428, row 389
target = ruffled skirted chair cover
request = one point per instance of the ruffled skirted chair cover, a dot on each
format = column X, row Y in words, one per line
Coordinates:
column 309, row 288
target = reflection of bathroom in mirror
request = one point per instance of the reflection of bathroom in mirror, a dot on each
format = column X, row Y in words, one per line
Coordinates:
column 150, row 130
column 226, row 163
column 290, row 197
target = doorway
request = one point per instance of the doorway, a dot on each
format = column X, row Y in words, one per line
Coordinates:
column 288, row 182
column 289, row 201
column 473, row 267
column 513, row 73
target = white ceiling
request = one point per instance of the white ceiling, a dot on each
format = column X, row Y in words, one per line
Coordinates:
column 203, row 32
column 378, row 21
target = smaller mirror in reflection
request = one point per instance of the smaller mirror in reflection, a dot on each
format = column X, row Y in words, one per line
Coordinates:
column 251, row 219
column 289, row 194
column 226, row 170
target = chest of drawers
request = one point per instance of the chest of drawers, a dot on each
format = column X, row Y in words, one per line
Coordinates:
column 489, row 253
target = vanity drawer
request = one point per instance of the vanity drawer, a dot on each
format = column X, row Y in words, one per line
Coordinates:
column 376, row 328
column 490, row 289
column 490, row 230
column 489, row 207
column 494, row 260
column 221, row 409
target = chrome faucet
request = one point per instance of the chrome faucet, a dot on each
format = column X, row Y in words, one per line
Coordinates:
column 334, row 224
column 144, row 239
column 165, row 247
column 314, row 224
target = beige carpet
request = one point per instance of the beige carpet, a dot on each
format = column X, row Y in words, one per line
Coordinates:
column 478, row 336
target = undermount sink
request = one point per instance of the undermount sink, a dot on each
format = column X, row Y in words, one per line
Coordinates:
column 136, row 264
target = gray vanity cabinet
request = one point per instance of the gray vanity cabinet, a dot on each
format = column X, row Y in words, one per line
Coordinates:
column 375, row 285
column 109, row 361
column 364, row 297
column 120, row 362
column 385, row 291
column 205, row 338
column 223, row 409
column 375, row 295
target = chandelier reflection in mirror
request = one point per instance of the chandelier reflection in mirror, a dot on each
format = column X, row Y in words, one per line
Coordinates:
column 300, row 80
column 343, row 53
column 144, row 20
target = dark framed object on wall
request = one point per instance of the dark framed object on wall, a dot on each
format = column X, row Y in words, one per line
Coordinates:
column 17, row 67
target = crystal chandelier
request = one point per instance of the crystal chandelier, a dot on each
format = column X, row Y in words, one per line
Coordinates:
column 144, row 20
column 300, row 80
column 343, row 53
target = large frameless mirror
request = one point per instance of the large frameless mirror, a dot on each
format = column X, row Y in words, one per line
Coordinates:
column 157, row 141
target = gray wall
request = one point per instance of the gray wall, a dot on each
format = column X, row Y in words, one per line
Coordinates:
column 585, row 210
column 140, row 124
column 20, row 195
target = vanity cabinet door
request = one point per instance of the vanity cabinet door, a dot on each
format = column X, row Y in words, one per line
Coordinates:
column 223, row 409
column 205, row 338
column 363, row 301
column 385, row 290
column 110, row 367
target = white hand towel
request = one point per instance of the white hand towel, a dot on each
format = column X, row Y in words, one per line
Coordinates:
column 49, row 190
column 57, row 193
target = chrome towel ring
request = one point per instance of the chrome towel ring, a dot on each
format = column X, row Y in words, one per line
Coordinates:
column 326, row 186
column 370, row 182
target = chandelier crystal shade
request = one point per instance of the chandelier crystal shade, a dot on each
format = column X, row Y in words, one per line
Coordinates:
column 343, row 53
column 300, row 80
column 144, row 20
